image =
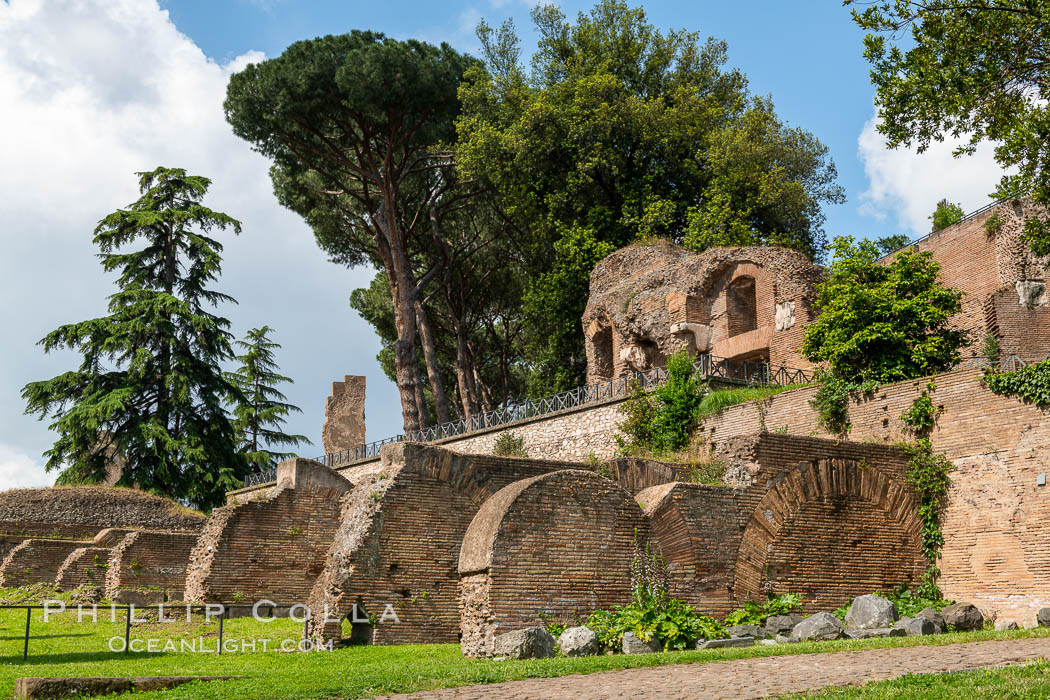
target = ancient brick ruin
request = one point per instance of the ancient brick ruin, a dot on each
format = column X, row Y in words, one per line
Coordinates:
column 463, row 545
column 647, row 301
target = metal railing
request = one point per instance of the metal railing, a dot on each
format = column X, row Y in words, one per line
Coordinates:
column 709, row 367
column 971, row 215
column 208, row 610
column 1009, row 363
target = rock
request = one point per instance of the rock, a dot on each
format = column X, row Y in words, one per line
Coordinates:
column 768, row 642
column 870, row 612
column 726, row 643
column 529, row 643
column 634, row 645
column 915, row 626
column 782, row 624
column 85, row 594
column 1042, row 617
column 963, row 617
column 877, row 632
column 939, row 626
column 745, row 631
column 138, row 596
column 785, row 639
column 819, row 627
column 578, row 641
column 1005, row 625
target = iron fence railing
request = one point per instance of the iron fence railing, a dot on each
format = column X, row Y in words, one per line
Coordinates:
column 709, row 366
column 221, row 611
column 971, row 215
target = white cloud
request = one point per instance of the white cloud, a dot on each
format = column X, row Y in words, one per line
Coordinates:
column 908, row 185
column 19, row 470
column 92, row 91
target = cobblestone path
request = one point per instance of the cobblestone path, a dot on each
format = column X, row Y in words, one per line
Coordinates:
column 758, row 677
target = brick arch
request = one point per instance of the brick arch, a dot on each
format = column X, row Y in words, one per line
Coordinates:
column 827, row 518
column 714, row 284
column 601, row 344
column 559, row 545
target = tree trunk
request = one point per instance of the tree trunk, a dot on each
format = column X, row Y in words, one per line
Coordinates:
column 465, row 373
column 437, row 386
column 421, row 400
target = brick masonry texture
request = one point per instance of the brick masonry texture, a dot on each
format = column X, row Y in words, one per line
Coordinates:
column 647, row 301
column 399, row 538
column 155, row 560
column 823, row 518
column 35, row 561
column 84, row 566
column 557, row 545
column 270, row 548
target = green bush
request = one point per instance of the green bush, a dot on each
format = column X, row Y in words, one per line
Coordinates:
column 664, row 419
column 922, row 414
column 1031, row 383
column 652, row 613
column 910, row 604
column 510, row 445
column 946, row 214
column 754, row 614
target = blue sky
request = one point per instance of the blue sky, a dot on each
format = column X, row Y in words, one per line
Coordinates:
column 94, row 90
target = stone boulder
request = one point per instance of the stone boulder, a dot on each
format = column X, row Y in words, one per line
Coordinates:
column 870, row 612
column 529, row 643
column 782, row 625
column 877, row 632
column 1042, row 617
column 964, row 617
column 633, row 645
column 915, row 626
column 819, row 627
column 939, row 626
column 745, row 631
column 1005, row 625
column 578, row 641
column 725, row 643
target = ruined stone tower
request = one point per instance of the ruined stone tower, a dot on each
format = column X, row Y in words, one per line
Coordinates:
column 344, row 415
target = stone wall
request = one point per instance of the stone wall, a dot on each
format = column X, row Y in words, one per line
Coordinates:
column 558, row 545
column 156, row 560
column 84, row 566
column 344, row 415
column 82, row 511
column 399, row 537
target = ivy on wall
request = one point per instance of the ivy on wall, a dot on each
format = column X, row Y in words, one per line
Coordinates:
column 1031, row 383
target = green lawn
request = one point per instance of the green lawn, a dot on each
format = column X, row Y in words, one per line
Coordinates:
column 1027, row 681
column 62, row 647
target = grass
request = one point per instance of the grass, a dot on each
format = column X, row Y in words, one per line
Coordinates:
column 63, row 647
column 718, row 401
column 1024, row 681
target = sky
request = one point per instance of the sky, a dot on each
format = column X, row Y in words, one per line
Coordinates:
column 92, row 91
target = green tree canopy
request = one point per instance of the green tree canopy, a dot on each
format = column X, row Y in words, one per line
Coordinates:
column 260, row 409
column 883, row 323
column 971, row 70
column 620, row 131
column 359, row 127
column 946, row 214
column 149, row 388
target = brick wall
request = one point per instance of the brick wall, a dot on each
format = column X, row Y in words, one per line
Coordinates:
column 150, row 560
column 83, row 566
column 1021, row 330
column 271, row 548
column 35, row 561
column 823, row 518
column 399, row 538
column 559, row 544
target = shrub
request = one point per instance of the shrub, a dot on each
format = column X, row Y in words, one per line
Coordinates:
column 922, row 414
column 664, row 419
column 652, row 612
column 754, row 614
column 510, row 445
column 946, row 214
column 1031, row 383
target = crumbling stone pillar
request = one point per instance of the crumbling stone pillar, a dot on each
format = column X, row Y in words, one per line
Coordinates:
column 344, row 415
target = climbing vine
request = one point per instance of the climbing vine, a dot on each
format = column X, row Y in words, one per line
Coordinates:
column 831, row 401
column 922, row 414
column 929, row 473
column 1031, row 383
